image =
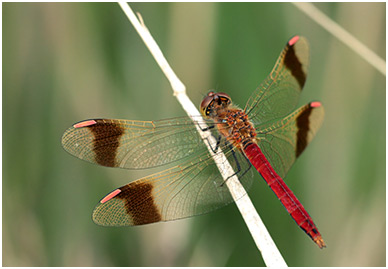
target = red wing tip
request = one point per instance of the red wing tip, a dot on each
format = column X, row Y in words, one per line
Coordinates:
column 315, row 104
column 84, row 123
column 319, row 241
column 110, row 196
column 293, row 40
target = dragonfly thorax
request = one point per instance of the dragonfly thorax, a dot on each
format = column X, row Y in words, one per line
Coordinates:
column 233, row 123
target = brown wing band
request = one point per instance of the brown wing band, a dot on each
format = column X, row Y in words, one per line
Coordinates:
column 139, row 203
column 303, row 124
column 106, row 141
column 292, row 63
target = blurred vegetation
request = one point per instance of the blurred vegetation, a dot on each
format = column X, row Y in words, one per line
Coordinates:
column 65, row 62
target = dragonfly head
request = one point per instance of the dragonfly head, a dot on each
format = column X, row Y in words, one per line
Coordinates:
column 214, row 101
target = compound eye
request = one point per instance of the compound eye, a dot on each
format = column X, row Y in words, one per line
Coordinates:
column 221, row 99
column 224, row 98
column 205, row 103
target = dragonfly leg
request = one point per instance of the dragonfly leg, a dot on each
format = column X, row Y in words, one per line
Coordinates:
column 238, row 165
column 217, row 144
column 207, row 128
column 249, row 167
column 218, row 138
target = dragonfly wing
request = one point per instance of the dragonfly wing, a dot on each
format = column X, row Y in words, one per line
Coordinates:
column 282, row 141
column 133, row 144
column 189, row 189
column 279, row 94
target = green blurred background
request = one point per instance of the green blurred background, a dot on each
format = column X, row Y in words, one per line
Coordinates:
column 65, row 62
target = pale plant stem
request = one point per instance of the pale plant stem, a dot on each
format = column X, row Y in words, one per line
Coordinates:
column 341, row 34
column 262, row 238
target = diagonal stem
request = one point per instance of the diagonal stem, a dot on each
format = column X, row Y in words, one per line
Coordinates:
column 341, row 34
column 264, row 242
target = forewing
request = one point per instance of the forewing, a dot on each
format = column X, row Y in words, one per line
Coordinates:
column 133, row 144
column 185, row 190
column 282, row 141
column 279, row 94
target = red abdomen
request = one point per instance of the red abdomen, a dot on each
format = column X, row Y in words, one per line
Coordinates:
column 283, row 192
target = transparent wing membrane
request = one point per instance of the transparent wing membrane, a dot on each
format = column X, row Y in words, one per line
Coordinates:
column 135, row 144
column 282, row 141
column 279, row 93
column 192, row 188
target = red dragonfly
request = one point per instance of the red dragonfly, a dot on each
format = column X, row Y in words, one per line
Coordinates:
column 267, row 134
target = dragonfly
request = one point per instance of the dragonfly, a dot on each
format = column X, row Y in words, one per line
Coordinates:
column 269, row 134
